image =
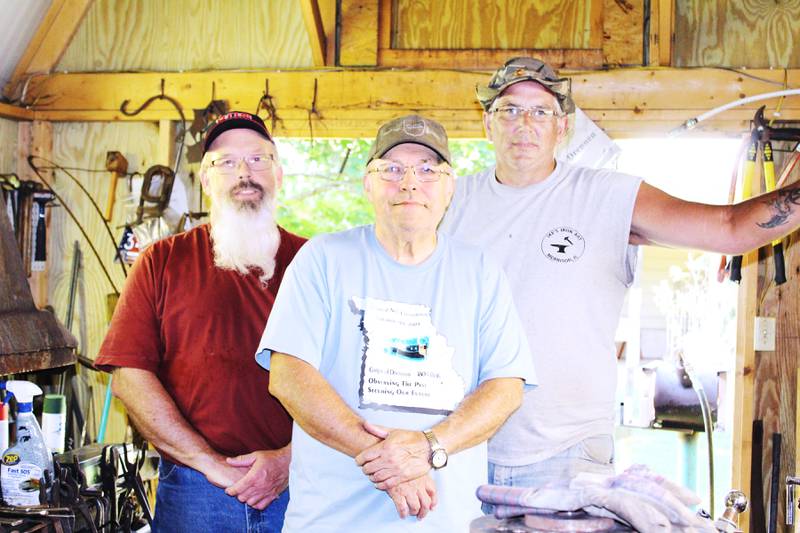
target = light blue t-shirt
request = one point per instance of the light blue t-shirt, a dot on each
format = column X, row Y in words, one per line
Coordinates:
column 402, row 345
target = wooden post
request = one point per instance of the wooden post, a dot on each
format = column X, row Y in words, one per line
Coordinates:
column 166, row 143
column 744, row 378
column 36, row 138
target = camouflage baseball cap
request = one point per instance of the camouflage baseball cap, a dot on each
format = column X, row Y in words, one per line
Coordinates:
column 526, row 69
column 410, row 129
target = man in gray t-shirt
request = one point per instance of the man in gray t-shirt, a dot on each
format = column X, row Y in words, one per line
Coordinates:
column 566, row 237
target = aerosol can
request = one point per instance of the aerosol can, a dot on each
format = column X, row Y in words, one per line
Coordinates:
column 25, row 462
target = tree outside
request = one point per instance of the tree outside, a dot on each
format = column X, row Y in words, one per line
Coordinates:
column 322, row 189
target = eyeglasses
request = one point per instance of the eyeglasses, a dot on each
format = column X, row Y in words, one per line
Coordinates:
column 425, row 172
column 256, row 162
column 512, row 113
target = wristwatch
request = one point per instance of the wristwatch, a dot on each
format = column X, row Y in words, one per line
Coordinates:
column 438, row 457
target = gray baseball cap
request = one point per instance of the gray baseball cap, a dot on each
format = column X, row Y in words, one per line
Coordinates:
column 410, row 129
column 526, row 69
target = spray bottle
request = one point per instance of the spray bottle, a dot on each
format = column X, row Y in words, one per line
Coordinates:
column 4, row 397
column 24, row 464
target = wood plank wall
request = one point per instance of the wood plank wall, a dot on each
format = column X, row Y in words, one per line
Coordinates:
column 453, row 24
column 775, row 373
column 8, row 146
column 623, row 32
column 736, row 33
column 84, row 145
column 120, row 35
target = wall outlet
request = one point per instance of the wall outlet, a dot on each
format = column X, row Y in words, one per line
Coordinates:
column 764, row 334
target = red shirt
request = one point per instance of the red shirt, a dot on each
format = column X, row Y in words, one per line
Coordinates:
column 197, row 327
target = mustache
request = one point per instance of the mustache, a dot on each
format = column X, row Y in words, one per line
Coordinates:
column 248, row 184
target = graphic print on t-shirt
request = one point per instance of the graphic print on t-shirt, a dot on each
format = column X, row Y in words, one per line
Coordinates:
column 406, row 364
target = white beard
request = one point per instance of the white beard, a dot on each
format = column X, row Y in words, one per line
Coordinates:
column 245, row 238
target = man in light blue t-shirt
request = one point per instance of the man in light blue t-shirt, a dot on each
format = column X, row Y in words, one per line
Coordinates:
column 398, row 352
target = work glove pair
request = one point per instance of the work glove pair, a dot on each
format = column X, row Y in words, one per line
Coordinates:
column 637, row 497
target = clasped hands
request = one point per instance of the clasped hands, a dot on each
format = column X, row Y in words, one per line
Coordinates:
column 399, row 465
column 255, row 478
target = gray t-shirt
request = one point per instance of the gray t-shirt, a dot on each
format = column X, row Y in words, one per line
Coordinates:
column 563, row 243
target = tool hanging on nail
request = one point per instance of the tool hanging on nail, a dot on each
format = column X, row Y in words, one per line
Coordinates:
column 41, row 200
column 769, row 183
column 747, row 190
column 765, row 134
column 182, row 135
column 761, row 138
column 118, row 166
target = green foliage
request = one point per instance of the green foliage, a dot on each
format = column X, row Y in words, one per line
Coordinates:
column 322, row 182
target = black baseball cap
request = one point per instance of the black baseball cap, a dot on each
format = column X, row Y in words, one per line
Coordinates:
column 526, row 69
column 232, row 121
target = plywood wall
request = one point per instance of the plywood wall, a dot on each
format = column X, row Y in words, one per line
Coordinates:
column 775, row 372
column 84, row 145
column 736, row 33
column 623, row 38
column 454, row 24
column 8, row 146
column 122, row 35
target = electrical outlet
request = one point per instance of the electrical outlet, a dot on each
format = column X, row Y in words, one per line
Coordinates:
column 764, row 334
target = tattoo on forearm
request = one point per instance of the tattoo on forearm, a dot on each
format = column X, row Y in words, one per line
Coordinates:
column 781, row 207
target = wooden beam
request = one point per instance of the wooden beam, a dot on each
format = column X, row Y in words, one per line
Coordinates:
column 666, row 21
column 358, row 46
column 487, row 59
column 14, row 112
column 316, row 33
column 353, row 102
column 50, row 41
column 662, row 17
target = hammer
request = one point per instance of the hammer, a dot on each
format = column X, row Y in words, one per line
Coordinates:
column 118, row 166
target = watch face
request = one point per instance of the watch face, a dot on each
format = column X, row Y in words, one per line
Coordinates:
column 439, row 458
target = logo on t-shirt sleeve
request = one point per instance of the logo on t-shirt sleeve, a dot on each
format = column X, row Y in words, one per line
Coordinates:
column 563, row 245
column 406, row 364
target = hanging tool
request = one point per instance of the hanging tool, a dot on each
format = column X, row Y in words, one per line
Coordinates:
column 765, row 134
column 757, row 518
column 77, row 223
column 156, row 192
column 54, row 166
column 723, row 271
column 747, row 190
column 791, row 497
column 41, row 200
column 182, row 135
column 118, row 166
column 774, row 485
column 769, row 183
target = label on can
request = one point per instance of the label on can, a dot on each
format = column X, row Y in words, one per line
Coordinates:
column 53, row 428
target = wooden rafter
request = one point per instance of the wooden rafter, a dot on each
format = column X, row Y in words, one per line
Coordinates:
column 50, row 41
column 625, row 102
column 15, row 113
column 315, row 30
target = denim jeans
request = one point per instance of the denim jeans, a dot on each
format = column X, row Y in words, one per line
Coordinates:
column 594, row 455
column 187, row 502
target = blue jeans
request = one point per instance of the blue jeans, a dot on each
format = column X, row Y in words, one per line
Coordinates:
column 187, row 502
column 594, row 455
